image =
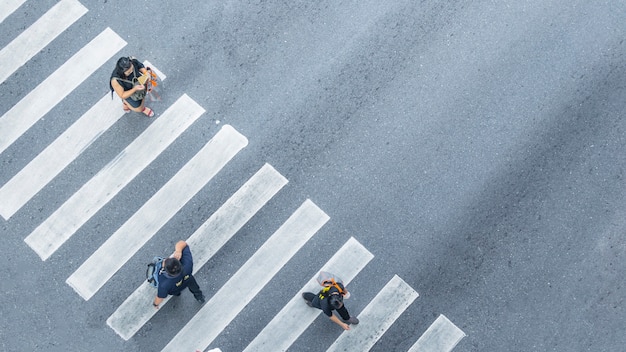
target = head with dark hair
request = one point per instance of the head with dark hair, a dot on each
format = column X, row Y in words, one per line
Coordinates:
column 172, row 267
column 335, row 301
column 123, row 64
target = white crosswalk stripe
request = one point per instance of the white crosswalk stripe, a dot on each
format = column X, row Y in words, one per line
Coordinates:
column 441, row 336
column 159, row 74
column 346, row 263
column 216, row 314
column 377, row 317
column 94, row 194
column 57, row 86
column 39, row 35
column 51, row 161
column 205, row 242
column 60, row 153
column 248, row 281
column 156, row 212
column 7, row 7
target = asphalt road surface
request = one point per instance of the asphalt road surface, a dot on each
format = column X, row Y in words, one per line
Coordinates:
column 472, row 152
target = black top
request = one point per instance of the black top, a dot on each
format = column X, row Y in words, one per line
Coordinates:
column 126, row 81
column 324, row 303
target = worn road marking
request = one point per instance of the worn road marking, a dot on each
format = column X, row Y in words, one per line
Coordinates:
column 136, row 310
column 94, row 194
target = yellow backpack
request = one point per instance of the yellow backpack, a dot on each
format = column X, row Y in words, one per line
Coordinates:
column 330, row 281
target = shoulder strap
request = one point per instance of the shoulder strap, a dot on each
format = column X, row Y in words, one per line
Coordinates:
column 338, row 285
column 327, row 291
column 123, row 80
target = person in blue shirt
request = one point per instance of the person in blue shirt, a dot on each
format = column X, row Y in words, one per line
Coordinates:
column 178, row 275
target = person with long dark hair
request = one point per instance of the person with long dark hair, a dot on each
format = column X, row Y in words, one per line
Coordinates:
column 126, row 82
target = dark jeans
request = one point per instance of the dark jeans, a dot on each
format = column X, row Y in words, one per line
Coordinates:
column 192, row 285
column 343, row 312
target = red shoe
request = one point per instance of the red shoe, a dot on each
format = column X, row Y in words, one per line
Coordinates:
column 148, row 112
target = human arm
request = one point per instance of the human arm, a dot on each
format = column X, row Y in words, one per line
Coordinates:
column 325, row 307
column 124, row 94
column 163, row 288
column 338, row 321
column 178, row 249
column 156, row 302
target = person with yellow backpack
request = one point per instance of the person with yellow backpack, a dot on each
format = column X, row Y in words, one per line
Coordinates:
column 330, row 298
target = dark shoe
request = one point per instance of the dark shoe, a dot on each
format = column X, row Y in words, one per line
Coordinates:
column 352, row 320
column 308, row 303
column 200, row 299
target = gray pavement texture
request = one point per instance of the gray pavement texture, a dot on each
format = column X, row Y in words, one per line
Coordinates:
column 475, row 148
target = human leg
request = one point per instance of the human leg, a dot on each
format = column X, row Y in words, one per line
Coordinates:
column 134, row 105
column 308, row 297
column 139, row 106
column 343, row 312
column 125, row 106
column 192, row 285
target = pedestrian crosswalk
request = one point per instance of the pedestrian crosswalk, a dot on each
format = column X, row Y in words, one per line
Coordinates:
column 201, row 330
column 248, row 281
column 442, row 336
column 39, row 35
column 7, row 7
column 377, row 317
column 349, row 260
column 50, row 162
column 206, row 241
column 57, row 86
column 135, row 232
column 60, row 153
column 94, row 194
